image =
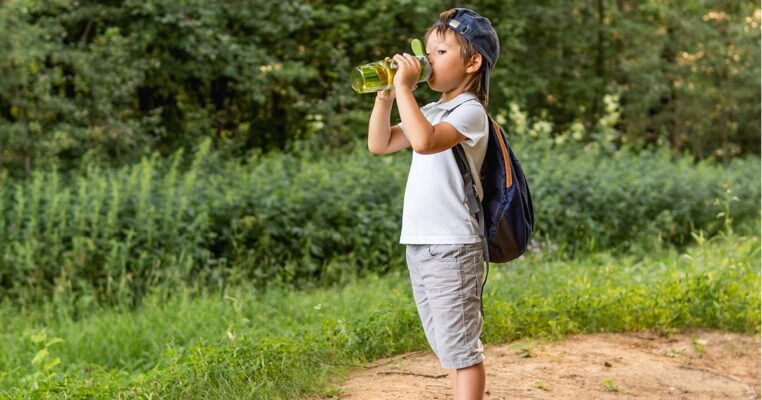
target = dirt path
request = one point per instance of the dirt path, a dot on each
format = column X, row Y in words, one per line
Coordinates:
column 692, row 365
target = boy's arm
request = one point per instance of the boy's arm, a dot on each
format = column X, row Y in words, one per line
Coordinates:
column 383, row 139
column 423, row 137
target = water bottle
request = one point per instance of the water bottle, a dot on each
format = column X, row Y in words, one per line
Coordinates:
column 379, row 75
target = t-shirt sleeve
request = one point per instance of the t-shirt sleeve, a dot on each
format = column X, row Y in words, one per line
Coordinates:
column 471, row 121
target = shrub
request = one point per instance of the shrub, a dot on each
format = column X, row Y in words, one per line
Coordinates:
column 300, row 218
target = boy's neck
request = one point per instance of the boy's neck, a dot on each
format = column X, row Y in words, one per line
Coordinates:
column 447, row 96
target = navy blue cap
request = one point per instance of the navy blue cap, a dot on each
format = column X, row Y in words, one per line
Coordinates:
column 479, row 32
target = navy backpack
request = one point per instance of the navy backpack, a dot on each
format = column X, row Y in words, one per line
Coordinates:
column 505, row 214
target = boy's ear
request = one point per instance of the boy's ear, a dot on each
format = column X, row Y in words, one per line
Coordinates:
column 474, row 63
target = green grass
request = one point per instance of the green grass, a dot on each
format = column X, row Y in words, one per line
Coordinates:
column 282, row 343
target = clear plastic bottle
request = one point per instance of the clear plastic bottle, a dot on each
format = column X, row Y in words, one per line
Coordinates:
column 379, row 75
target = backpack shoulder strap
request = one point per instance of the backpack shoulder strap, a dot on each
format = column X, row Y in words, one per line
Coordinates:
column 460, row 155
column 504, row 150
column 474, row 204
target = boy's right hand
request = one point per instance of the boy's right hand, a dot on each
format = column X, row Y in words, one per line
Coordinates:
column 385, row 95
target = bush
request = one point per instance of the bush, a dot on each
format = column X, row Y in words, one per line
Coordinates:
column 106, row 236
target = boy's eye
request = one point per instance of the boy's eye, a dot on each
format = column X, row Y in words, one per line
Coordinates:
column 441, row 51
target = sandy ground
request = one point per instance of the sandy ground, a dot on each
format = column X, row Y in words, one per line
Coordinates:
column 691, row 365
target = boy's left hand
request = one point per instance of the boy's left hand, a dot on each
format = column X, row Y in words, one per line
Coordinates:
column 409, row 69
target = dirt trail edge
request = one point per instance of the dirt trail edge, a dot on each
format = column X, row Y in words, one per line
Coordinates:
column 702, row 364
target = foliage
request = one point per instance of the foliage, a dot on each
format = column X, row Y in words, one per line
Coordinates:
column 111, row 82
column 107, row 236
column 595, row 194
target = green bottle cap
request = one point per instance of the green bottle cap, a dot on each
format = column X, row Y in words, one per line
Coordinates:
column 417, row 47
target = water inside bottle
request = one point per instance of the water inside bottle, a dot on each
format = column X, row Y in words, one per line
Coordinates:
column 373, row 77
column 379, row 75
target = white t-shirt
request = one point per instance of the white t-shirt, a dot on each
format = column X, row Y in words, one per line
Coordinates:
column 435, row 210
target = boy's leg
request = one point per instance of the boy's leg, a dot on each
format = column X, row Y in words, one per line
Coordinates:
column 470, row 382
column 452, row 288
column 453, row 374
column 419, row 293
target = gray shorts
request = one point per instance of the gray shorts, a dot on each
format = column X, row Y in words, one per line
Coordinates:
column 447, row 280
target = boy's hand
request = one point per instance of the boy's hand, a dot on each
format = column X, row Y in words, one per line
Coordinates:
column 385, row 95
column 409, row 69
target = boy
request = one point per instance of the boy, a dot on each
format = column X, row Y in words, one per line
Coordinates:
column 443, row 246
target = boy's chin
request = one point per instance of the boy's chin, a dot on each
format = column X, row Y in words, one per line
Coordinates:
column 436, row 86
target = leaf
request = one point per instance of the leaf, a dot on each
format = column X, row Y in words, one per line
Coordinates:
column 53, row 341
column 40, row 356
column 51, row 363
column 38, row 337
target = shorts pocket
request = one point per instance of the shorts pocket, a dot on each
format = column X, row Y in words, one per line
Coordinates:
column 444, row 277
column 444, row 252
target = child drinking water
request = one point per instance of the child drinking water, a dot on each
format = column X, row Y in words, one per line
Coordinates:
column 443, row 246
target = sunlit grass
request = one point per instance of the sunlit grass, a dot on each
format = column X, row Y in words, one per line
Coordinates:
column 282, row 343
